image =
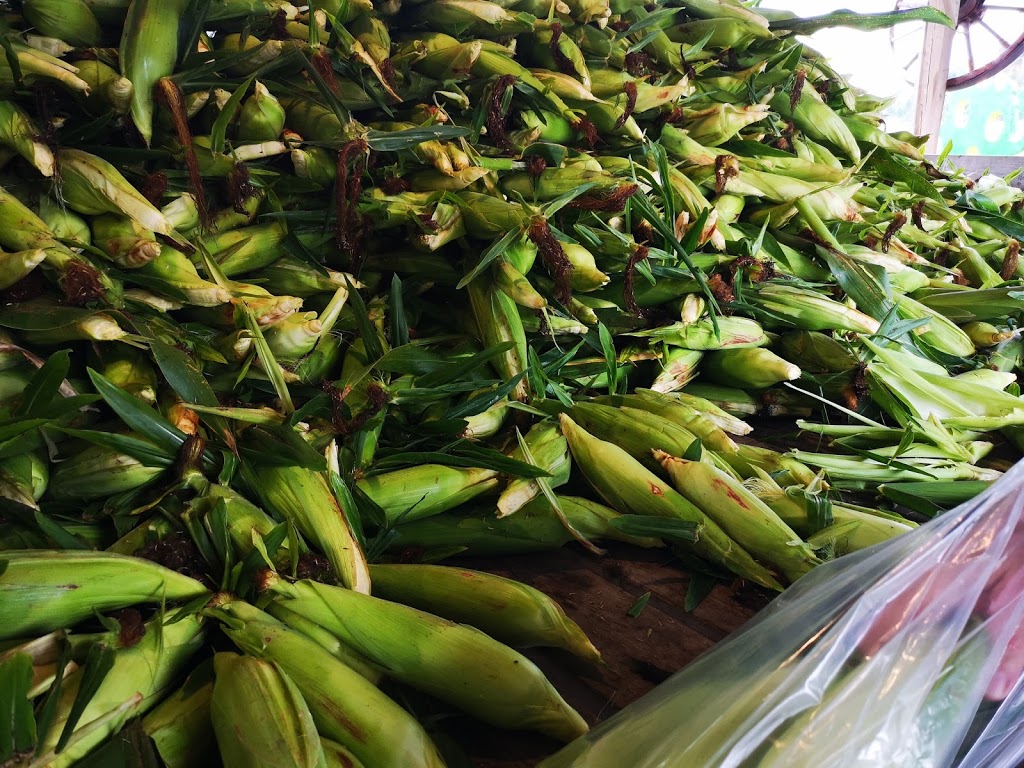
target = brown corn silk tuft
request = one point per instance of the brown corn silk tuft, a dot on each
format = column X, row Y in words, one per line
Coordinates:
column 631, row 93
column 563, row 62
column 80, row 283
column 1011, row 260
column 639, row 254
column 554, row 258
column 349, row 232
column 169, row 94
column 638, row 64
column 606, row 200
column 890, row 231
column 497, row 129
column 240, row 187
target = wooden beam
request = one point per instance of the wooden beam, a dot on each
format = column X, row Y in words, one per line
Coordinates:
column 931, row 89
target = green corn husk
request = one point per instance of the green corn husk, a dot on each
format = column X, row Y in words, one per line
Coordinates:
column 498, row 322
column 754, row 368
column 636, row 431
column 242, row 520
column 16, row 266
column 183, row 212
column 635, row 490
column 735, row 332
column 127, row 243
column 297, row 278
column 304, row 497
column 507, row 610
column 260, row 717
column 18, row 133
column 22, row 230
column 315, row 164
column 516, row 285
column 148, row 52
column 108, row 90
column 474, row 18
column 345, row 706
column 488, row 423
column 940, row 333
column 714, row 126
column 140, row 676
column 92, row 186
column 809, row 311
column 984, row 334
column 240, row 251
column 550, row 451
column 262, row 117
column 426, row 490
column 430, row 654
column 27, row 474
column 174, row 268
column 64, row 224
column 816, row 352
column 540, row 51
column 35, row 66
column 815, row 118
column 860, row 473
column 679, row 368
column 179, row 726
column 337, row 756
column 349, row 657
column 68, row 20
column 944, row 494
column 128, row 369
column 97, row 326
column 534, row 528
column 751, row 522
column 37, row 596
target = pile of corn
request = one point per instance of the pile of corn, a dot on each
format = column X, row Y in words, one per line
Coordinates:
column 290, row 293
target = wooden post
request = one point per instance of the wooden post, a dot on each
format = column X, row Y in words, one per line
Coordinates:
column 931, row 89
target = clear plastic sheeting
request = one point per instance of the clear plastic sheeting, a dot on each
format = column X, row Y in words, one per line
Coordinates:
column 909, row 654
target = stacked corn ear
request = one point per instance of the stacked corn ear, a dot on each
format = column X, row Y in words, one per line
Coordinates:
column 296, row 302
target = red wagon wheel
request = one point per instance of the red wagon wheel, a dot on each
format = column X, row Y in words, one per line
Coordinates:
column 989, row 37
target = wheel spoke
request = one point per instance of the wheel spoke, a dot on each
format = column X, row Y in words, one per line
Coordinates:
column 994, row 34
column 970, row 51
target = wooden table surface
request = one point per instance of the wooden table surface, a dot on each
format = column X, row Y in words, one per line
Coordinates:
column 597, row 592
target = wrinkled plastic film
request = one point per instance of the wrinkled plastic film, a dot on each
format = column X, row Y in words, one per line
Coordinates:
column 910, row 653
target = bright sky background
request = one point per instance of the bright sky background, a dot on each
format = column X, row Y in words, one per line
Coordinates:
column 987, row 118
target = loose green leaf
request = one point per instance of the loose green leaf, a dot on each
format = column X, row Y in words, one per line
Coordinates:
column 137, row 415
column 639, row 605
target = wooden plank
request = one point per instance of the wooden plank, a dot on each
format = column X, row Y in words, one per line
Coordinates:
column 976, row 165
column 931, row 89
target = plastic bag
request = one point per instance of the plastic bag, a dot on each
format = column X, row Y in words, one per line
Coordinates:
column 907, row 654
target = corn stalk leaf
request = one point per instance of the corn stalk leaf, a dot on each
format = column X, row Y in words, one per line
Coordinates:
column 399, row 322
column 367, row 331
column 17, row 722
column 669, row 529
column 98, row 663
column 137, row 415
column 493, row 252
column 485, row 400
column 396, row 141
column 218, row 133
column 45, row 384
column 48, row 710
column 270, row 364
column 143, row 451
column 807, row 26
column 449, row 373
